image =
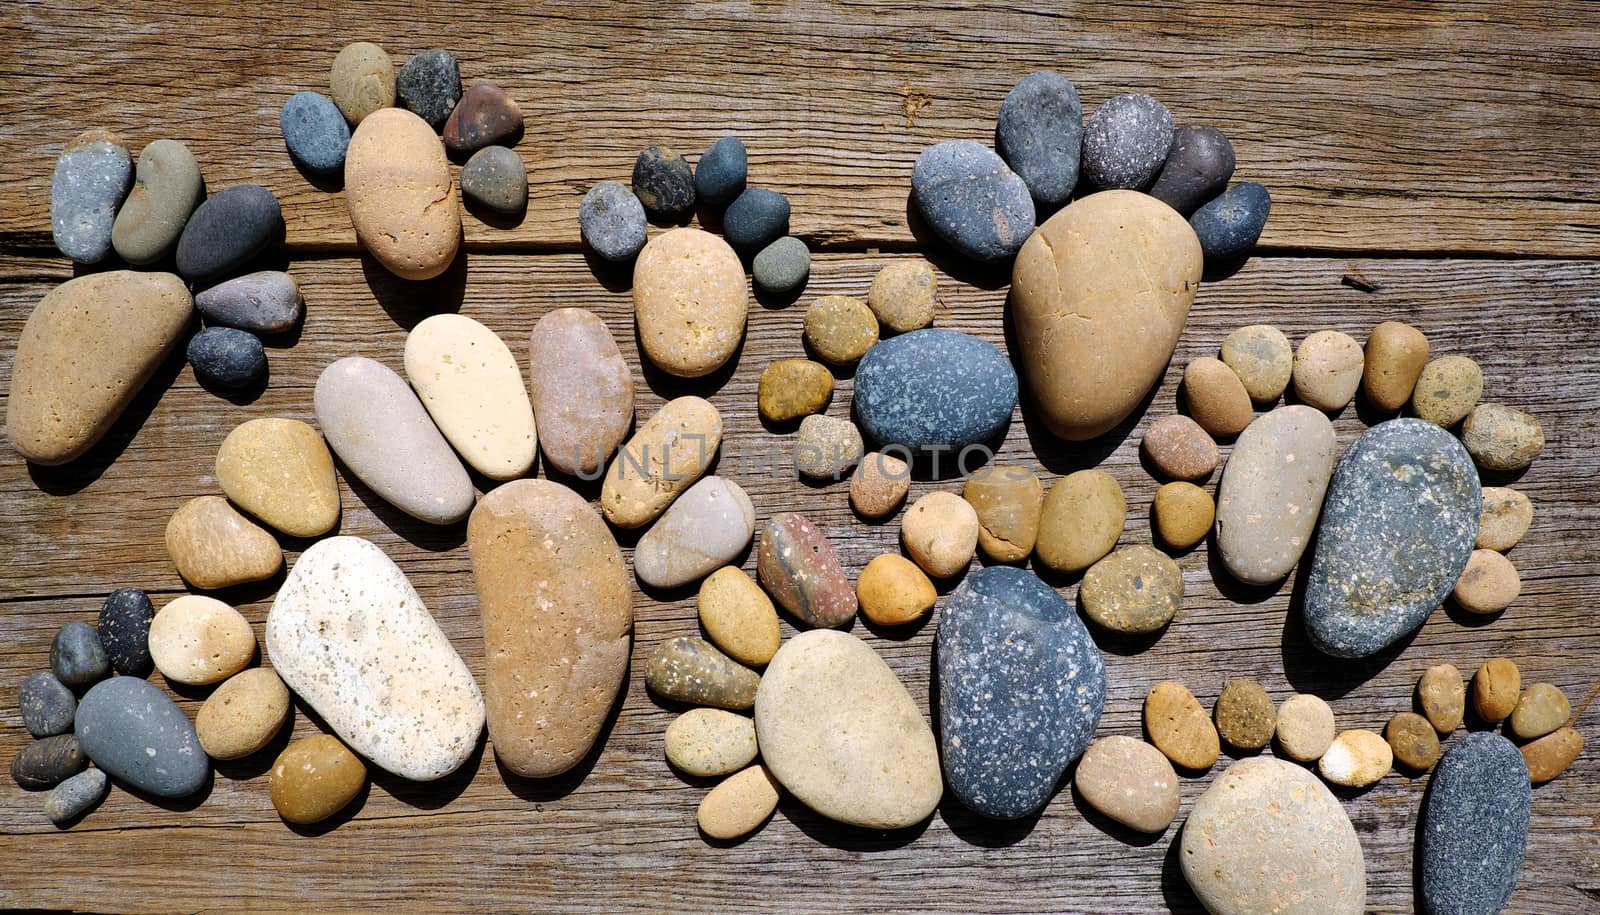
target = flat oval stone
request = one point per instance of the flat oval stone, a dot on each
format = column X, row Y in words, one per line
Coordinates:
column 314, row 778
column 1180, row 448
column 1039, row 133
column 349, row 635
column 1134, row 590
column 827, row 447
column 755, row 218
column 582, row 391
column 1008, row 500
column 199, row 640
column 739, row 805
column 1550, row 755
column 707, row 742
column 1230, row 225
column 894, row 591
column 401, row 198
column 315, row 132
column 823, row 684
column 687, row 669
column 1488, row 584
column 904, row 295
column 280, row 471
column 1305, row 728
column 1501, row 438
column 1271, row 492
column 792, row 388
column 557, row 615
column 1125, row 141
column 689, row 297
column 705, row 529
column 86, row 350
column 214, row 546
column 1413, row 740
column 612, row 221
column 485, row 116
column 167, row 187
column 1327, row 370
column 132, row 730
column 1507, row 515
column 1356, row 759
column 362, row 80
column 1262, row 358
column 264, row 302
column 720, row 174
column 664, row 183
column 227, row 231
column 781, row 266
column 495, row 177
column 46, row 704
column 75, row 797
column 1216, row 398
column 665, row 456
column 1447, row 390
column 92, row 176
column 1181, row 514
column 1442, row 695
column 227, row 358
column 1474, row 826
column 738, row 616
column 1392, row 362
column 1113, row 272
column 243, row 714
column 840, row 329
column 1245, row 715
column 469, row 381
column 971, row 200
column 1081, row 520
column 1179, row 726
column 76, row 656
column 934, row 390
column 1396, row 532
column 385, row 437
column 124, row 629
column 48, row 762
column 940, row 533
column 1197, row 168
column 1021, row 688
column 1129, row 781
column 799, row 568
column 430, row 85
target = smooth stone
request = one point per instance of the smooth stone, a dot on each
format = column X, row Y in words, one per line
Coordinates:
column 1081, row 520
column 280, row 471
column 827, row 447
column 264, row 302
column 1181, row 514
column 934, row 391
column 1488, row 584
column 756, row 218
column 198, row 640
column 708, row 742
column 823, row 684
column 495, row 177
column 430, row 85
column 739, row 805
column 1262, row 358
column 720, row 174
column 472, row 386
column 113, row 329
column 840, row 329
column 1501, row 438
column 687, row 669
column 1496, row 689
column 243, row 714
column 1135, row 590
column 666, row 455
column 1179, row 726
column 1216, row 398
column 1230, row 224
column 124, row 630
column 1356, row 759
column 1542, row 709
column 1507, row 515
column 1039, row 133
column 1245, row 717
column 1392, row 363
column 76, row 656
column 904, row 295
column 793, row 388
column 1413, row 741
column 1442, row 696
column 611, row 221
column 167, row 187
column 879, row 484
column 1447, row 390
column 1197, row 168
column 46, row 704
column 1266, row 836
column 400, row 195
column 213, row 546
column 689, row 298
column 314, row 778
column 664, row 183
column 1125, row 141
column 315, row 132
column 133, row 731
column 557, row 614
column 1114, row 272
column 362, row 80
column 485, row 116
column 1021, row 689
column 1180, row 448
column 971, row 200
column 1327, row 370
column 48, row 762
column 582, row 391
column 227, row 231
column 384, row 436
column 92, row 176
column 1008, row 500
column 1474, row 826
column 940, row 532
column 893, row 591
column 1129, row 781
column 76, row 796
column 705, row 529
column 1272, row 492
column 227, row 358
column 738, row 616
column 1549, row 756
column 1305, row 727
column 781, row 266
column 798, row 566
column 1396, row 531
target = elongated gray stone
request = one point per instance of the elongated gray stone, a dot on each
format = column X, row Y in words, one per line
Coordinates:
column 91, row 178
column 1271, row 492
column 131, row 729
column 1475, row 827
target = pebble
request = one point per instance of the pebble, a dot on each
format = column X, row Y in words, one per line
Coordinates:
column 124, row 629
column 940, row 532
column 879, row 485
column 213, row 546
column 1262, row 358
column 264, row 302
column 350, row 636
column 137, row 735
column 1179, row 726
column 495, row 177
column 485, row 116
column 1507, row 514
column 1447, row 390
column 1008, row 499
column 430, row 85
column 1112, row 272
column 738, row 616
column 1272, row 490
column 557, row 612
column 664, row 183
column 48, row 762
column 92, row 176
column 46, row 704
column 167, row 187
column 840, row 328
column 971, row 200
column 466, row 377
column 400, row 196
column 756, row 218
column 1356, row 759
column 1442, row 695
column 1327, row 370
column 243, row 714
column 1488, row 584
column 1474, row 826
column 720, row 174
column 1413, row 740
column 1196, row 170
column 708, row 742
column 198, row 640
column 582, row 391
column 904, row 295
column 1216, row 398
column 1266, row 836
column 280, row 471
column 314, row 778
column 1134, row 590
column 76, row 656
column 227, row 358
column 827, row 447
column 894, row 591
column 1245, row 716
column 114, row 329
column 1396, row 531
column 739, row 805
column 792, row 388
column 1231, row 223
column 612, row 221
column 934, row 391
column 315, row 132
column 821, row 685
column 1081, row 521
column 1182, row 514
column 781, row 266
column 687, row 669
column 689, row 297
column 1501, row 438
column 666, row 455
column 704, row 530
column 1125, row 141
column 1496, row 689
column 1550, row 755
column 799, row 568
column 1392, row 363
column 1542, row 709
column 1305, row 727
column 227, row 231
column 1180, row 448
column 385, row 437
column 1129, row 781
column 1021, row 689
column 76, row 796
column 363, row 80
column 1039, row 133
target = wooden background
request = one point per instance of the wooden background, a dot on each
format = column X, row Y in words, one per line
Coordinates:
column 1441, row 152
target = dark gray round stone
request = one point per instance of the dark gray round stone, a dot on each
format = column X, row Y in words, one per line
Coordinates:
column 227, row 232
column 720, row 174
column 968, row 196
column 226, row 357
column 316, row 134
column 612, row 221
column 46, row 763
column 124, row 629
column 264, row 302
column 1230, row 224
column 496, row 178
column 430, row 86
column 755, row 219
column 1475, row 826
column 1197, row 169
column 664, row 183
column 1021, row 688
column 1125, row 141
column 131, row 729
column 1397, row 529
column 75, row 796
column 781, row 266
column 1040, row 133
column 934, row 390
column 92, row 176
column 76, row 656
column 47, row 705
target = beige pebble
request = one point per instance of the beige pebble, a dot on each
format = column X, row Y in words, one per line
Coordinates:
column 1082, row 519
column 1488, row 584
column 827, row 447
column 1008, row 499
column 666, row 455
column 1133, row 590
column 1447, row 390
column 401, row 196
column 1179, row 726
column 199, row 640
column 879, row 484
column 1262, row 358
column 1182, row 514
column 1356, row 758
column 1245, row 715
column 469, row 381
column 940, row 531
column 708, row 742
column 1393, row 361
column 1442, row 696
column 1507, row 515
column 1305, row 727
column 840, row 329
column 1550, row 755
column 315, row 778
column 280, row 471
column 1327, row 370
column 1542, row 708
column 1496, row 688
column 893, row 590
column 1129, row 781
column 739, row 616
column 1413, row 740
column 1180, row 448
column 582, row 391
column 1501, row 438
column 690, row 299
column 1216, row 398
column 739, row 805
column 214, row 546
column 363, row 80
column 904, row 294
column 243, row 714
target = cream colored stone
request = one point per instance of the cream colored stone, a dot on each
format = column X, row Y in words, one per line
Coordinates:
column 400, row 194
column 1262, row 358
column 739, row 805
column 198, row 640
column 1129, row 781
column 690, row 298
column 1488, row 584
column 940, row 531
column 214, row 546
column 1356, row 759
column 666, row 455
column 243, row 714
column 1327, row 370
column 879, row 485
column 1507, row 515
column 280, row 471
column 1305, row 727
column 707, row 742
column 362, row 81
column 469, row 381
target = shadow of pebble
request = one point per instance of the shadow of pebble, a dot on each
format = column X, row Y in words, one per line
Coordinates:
column 437, row 793
column 408, row 302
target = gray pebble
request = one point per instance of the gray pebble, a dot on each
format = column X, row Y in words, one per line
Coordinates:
column 720, row 174
column 124, row 629
column 430, row 86
column 227, row 231
column 226, row 357
column 136, row 733
column 968, row 196
column 1197, row 169
column 46, row 763
column 755, row 219
column 1475, row 827
column 782, row 266
column 264, row 302
column 75, row 796
column 664, row 183
column 1040, row 133
column 314, row 131
column 496, row 178
column 1230, row 225
column 76, row 656
column 167, row 187
column 92, row 176
column 1125, row 141
column 612, row 221
column 47, row 705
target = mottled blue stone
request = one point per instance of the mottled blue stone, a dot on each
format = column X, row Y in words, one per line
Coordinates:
column 1474, row 827
column 968, row 196
column 612, row 221
column 92, row 177
column 934, row 390
column 316, row 134
column 46, row 704
column 76, row 656
column 755, row 218
column 131, row 729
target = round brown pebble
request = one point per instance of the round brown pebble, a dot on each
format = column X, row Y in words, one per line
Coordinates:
column 1179, row 726
column 1216, row 398
column 1305, row 727
column 315, row 778
column 738, row 616
column 739, row 805
column 213, row 546
column 1356, row 759
column 1262, row 358
column 1327, row 370
column 893, row 590
column 1501, row 438
column 1542, row 709
column 903, row 295
column 1245, row 715
column 1488, row 584
column 1496, row 687
column 1551, row 754
column 1507, row 515
column 1447, row 390
column 1134, row 590
column 1413, row 740
column 792, row 388
column 1395, row 355
column 1182, row 514
column 243, row 715
column 1008, row 500
column 1081, row 521
column 940, row 531
column 840, row 329
column 879, row 485
column 1180, row 448
column 1442, row 695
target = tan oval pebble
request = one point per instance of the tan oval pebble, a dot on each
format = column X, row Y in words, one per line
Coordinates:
column 707, row 742
column 840, row 328
column 362, row 81
column 1216, row 398
column 167, row 188
column 315, row 778
column 469, row 381
column 690, row 299
column 1542, row 709
column 1392, row 363
column 1129, row 781
column 1488, row 584
column 879, row 484
column 1134, row 590
column 738, row 616
column 1305, row 727
column 1180, row 448
column 1501, row 438
column 666, row 455
column 1496, row 687
column 739, row 805
column 1271, row 492
column 1081, row 520
column 1413, row 740
column 214, row 546
column 1507, row 515
column 1550, row 755
column 940, row 531
column 827, row 447
column 893, row 590
column 1182, row 514
column 400, row 194
column 706, row 528
column 1179, row 726
column 280, row 471
column 903, row 295
column 1442, row 696
column 1263, row 359
column 1447, row 390
column 1008, row 500
column 582, row 391
column 1356, row 759
column 243, row 714
column 1327, row 370
column 792, row 388
column 200, row 640
column 1245, row 715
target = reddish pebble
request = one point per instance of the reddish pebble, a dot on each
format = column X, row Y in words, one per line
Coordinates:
column 1180, row 448
column 798, row 567
column 485, row 116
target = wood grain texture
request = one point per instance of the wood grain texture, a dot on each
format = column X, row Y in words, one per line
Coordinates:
column 620, row 832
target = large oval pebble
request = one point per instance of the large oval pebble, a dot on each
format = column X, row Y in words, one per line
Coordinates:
column 665, row 456
column 1271, row 492
column 582, row 391
column 401, row 197
column 167, row 188
column 469, row 381
column 1474, row 826
column 689, row 297
column 91, row 178
column 227, row 232
column 706, row 528
column 137, row 734
column 934, row 390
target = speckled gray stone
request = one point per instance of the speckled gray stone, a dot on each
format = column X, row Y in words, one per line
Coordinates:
column 225, row 357
column 124, row 630
column 664, row 183
column 314, row 132
column 132, row 730
column 1231, row 224
column 934, row 390
column 92, row 176
column 1040, row 133
column 612, row 221
column 755, row 218
column 1125, row 141
column 968, row 196
column 496, row 178
column 227, row 231
column 1397, row 529
column 720, row 174
column 781, row 266
column 1474, row 827
column 430, row 85
column 264, row 302
column 77, row 657
column 1197, row 169
column 48, row 762
column 1021, row 688
column 46, row 704
column 75, row 796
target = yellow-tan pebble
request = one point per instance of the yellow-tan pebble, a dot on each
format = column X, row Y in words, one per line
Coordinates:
column 1179, row 726
column 1413, row 740
column 1507, row 515
column 1392, row 363
column 739, row 805
column 1305, row 727
column 792, row 388
column 200, row 640
column 1542, row 708
column 401, row 197
column 666, row 455
column 1356, row 759
column 1216, row 398
column 315, row 778
column 1082, row 519
column 707, row 742
column 689, row 298
column 940, row 531
column 1551, row 754
column 1182, row 514
column 840, row 329
column 1327, row 370
column 1496, row 687
column 1488, row 584
column 1262, row 358
column 1447, row 390
column 893, row 590
column 904, row 295
column 214, row 546
column 243, row 714
column 469, row 381
column 1442, row 695
column 363, row 80
column 739, row 616
column 280, row 470
column 1008, row 499
column 879, row 484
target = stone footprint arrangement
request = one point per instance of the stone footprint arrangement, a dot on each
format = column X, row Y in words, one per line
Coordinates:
column 1400, row 521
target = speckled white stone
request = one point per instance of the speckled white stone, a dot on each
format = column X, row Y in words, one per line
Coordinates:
column 472, row 387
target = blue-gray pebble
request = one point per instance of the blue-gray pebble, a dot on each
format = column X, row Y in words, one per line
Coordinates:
column 264, row 302
column 1125, row 141
column 495, row 177
column 664, row 183
column 76, row 656
column 1040, row 133
column 1197, row 169
column 1231, row 223
column 720, row 174
column 934, row 390
column 47, row 705
column 226, row 357
column 92, row 176
column 316, row 134
column 124, row 630
column 1021, row 688
column 1474, row 827
column 967, row 195
column 227, row 232
column 76, row 796
column 755, row 219
column 1396, row 531
column 131, row 729
column 612, row 221
column 46, row 763
column 781, row 266
column 430, row 86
